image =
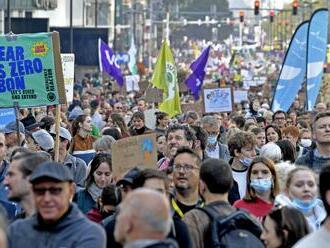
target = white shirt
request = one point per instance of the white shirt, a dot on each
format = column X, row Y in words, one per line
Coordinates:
column 240, row 178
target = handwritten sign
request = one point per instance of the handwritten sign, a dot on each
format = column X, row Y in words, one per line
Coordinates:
column 217, row 100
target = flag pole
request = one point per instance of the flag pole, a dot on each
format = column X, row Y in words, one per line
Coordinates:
column 167, row 31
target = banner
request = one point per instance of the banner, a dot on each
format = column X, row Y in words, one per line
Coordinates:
column 240, row 95
column 107, row 63
column 316, row 54
column 30, row 70
column 165, row 78
column 195, row 80
column 68, row 74
column 132, row 58
column 293, row 70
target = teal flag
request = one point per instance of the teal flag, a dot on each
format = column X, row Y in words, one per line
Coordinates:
column 27, row 70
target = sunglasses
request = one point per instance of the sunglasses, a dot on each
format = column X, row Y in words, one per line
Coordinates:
column 52, row 190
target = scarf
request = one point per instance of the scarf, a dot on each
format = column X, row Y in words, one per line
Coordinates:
column 94, row 191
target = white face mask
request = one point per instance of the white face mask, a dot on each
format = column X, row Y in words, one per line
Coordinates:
column 306, row 142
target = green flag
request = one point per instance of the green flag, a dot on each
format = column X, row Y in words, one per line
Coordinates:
column 165, row 78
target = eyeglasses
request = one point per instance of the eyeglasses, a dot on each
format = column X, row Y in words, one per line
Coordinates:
column 52, row 190
column 184, row 168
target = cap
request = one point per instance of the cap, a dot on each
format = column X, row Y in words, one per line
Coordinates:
column 64, row 133
column 52, row 171
column 30, row 122
column 94, row 104
column 11, row 127
column 77, row 111
column 130, row 176
column 43, row 139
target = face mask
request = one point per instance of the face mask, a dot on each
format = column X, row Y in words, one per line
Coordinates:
column 246, row 161
column 212, row 139
column 306, row 142
column 305, row 206
column 261, row 185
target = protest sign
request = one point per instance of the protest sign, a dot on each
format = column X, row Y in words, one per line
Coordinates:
column 150, row 118
column 30, row 70
column 134, row 151
column 153, row 95
column 240, row 95
column 68, row 74
column 6, row 115
column 195, row 107
column 217, row 100
column 132, row 83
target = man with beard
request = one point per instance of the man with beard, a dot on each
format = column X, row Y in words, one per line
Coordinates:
column 176, row 136
column 318, row 157
column 186, row 165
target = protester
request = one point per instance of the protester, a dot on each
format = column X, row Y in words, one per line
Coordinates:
column 283, row 227
column 271, row 151
column 287, row 150
column 138, row 124
column 161, row 146
column 76, row 165
column 144, row 220
column 273, row 133
column 40, row 140
column 82, row 141
column 291, row 133
column 10, row 132
column 104, row 144
column 100, row 176
column 17, row 181
column 186, row 165
column 320, row 238
column 301, row 193
column 242, row 150
column 215, row 182
column 214, row 148
column 117, row 121
column 176, row 136
column 162, row 120
column 262, row 188
column 57, row 220
column 4, row 165
column 319, row 156
column 279, row 119
column 260, row 138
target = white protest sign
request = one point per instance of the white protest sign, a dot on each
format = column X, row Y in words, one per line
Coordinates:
column 132, row 83
column 68, row 73
column 240, row 95
column 217, row 100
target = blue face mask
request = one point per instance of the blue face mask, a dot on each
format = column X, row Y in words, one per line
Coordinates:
column 261, row 185
column 212, row 139
column 246, row 161
column 305, row 206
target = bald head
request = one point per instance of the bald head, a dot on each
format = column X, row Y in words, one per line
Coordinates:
column 144, row 214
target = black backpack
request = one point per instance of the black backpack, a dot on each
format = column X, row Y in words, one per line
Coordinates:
column 236, row 230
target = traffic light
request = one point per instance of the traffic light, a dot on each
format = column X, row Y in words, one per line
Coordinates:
column 295, row 7
column 241, row 16
column 271, row 16
column 256, row 7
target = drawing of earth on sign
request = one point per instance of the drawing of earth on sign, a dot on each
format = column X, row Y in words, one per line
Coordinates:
column 217, row 97
column 147, row 148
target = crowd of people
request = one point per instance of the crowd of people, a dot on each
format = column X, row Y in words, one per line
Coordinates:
column 246, row 177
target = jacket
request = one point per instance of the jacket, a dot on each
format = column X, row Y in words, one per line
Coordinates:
column 146, row 243
column 198, row 222
column 73, row 230
column 84, row 201
column 78, row 169
column 312, row 161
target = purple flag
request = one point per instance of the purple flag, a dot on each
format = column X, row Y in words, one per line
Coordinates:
column 195, row 80
column 107, row 62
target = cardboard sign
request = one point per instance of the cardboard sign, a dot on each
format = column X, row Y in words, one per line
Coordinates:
column 195, row 107
column 134, row 151
column 132, row 83
column 153, row 95
column 30, row 70
column 217, row 100
column 68, row 74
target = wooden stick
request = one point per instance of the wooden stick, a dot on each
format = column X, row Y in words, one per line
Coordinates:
column 57, row 131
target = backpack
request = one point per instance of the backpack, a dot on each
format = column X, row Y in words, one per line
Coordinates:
column 236, row 230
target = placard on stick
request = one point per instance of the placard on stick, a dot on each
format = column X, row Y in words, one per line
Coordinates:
column 134, row 151
column 217, row 100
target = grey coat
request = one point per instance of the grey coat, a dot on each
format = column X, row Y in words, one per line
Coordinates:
column 74, row 230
